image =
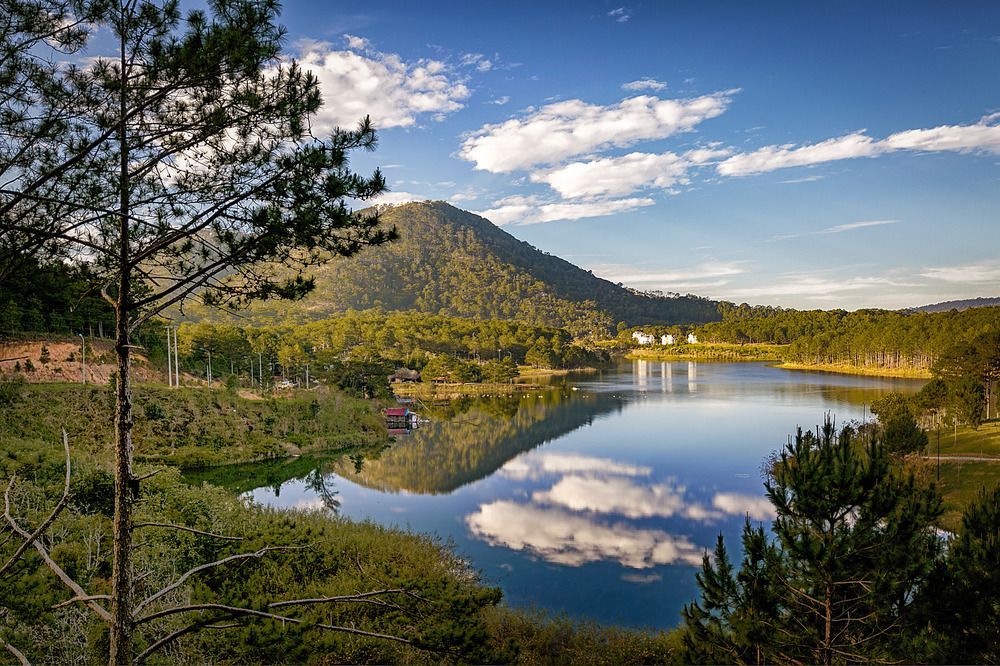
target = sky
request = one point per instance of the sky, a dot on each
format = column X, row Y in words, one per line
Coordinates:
column 806, row 155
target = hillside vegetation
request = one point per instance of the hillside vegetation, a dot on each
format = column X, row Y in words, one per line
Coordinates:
column 451, row 262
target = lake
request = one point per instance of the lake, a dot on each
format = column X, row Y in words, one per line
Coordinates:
column 596, row 497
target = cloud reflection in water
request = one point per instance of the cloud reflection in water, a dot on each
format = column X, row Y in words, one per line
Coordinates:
column 563, row 537
column 563, row 524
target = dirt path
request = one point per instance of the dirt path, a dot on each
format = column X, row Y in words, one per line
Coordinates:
column 964, row 458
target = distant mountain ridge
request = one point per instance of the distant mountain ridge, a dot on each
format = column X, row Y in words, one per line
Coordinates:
column 451, row 262
column 965, row 304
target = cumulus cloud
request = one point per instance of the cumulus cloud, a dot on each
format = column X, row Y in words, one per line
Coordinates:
column 566, row 129
column 644, row 84
column 618, row 176
column 981, row 137
column 534, row 210
column 359, row 81
column 562, row 537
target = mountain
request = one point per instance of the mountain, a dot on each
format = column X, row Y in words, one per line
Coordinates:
column 451, row 262
column 958, row 305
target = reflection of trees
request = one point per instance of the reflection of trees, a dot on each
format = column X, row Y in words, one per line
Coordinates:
column 322, row 485
column 447, row 454
column 244, row 477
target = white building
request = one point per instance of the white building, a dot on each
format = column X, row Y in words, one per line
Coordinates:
column 643, row 338
column 692, row 339
column 667, row 340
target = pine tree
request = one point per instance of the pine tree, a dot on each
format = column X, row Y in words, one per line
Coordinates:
column 853, row 540
column 183, row 164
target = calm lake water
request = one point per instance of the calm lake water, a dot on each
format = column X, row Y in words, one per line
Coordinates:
column 597, row 497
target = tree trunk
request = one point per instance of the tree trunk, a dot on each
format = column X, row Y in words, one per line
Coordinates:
column 122, row 623
column 125, row 485
column 828, row 628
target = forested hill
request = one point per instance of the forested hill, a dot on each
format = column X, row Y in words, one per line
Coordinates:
column 958, row 305
column 452, row 262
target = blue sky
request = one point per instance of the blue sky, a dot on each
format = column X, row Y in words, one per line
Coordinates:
column 804, row 155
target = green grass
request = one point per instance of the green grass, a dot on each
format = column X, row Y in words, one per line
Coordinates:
column 708, row 352
column 191, row 427
column 865, row 370
column 961, row 481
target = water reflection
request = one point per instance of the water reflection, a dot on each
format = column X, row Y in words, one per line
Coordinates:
column 589, row 507
column 471, row 439
column 597, row 495
column 567, row 538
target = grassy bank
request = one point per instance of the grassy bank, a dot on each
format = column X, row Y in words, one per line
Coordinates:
column 848, row 369
column 961, row 479
column 192, row 427
column 446, row 613
column 708, row 352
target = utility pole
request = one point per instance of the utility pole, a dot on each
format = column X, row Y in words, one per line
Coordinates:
column 260, row 368
column 83, row 355
column 177, row 362
column 208, row 374
column 170, row 377
column 307, row 376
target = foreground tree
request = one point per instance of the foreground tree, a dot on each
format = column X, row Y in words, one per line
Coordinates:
column 185, row 163
column 853, row 540
column 963, row 603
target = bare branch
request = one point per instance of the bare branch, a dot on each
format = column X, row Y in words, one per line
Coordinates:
column 56, row 569
column 345, row 597
column 229, row 611
column 17, row 653
column 74, row 600
column 45, row 523
column 189, row 529
column 202, row 567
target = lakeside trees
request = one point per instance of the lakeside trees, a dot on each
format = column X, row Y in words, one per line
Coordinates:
column 855, row 570
column 185, row 157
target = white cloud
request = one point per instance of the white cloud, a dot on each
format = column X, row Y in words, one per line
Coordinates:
column 500, row 101
column 535, row 465
column 771, row 158
column 615, row 176
column 621, row 15
column 532, row 210
column 981, row 137
column 817, row 287
column 395, row 198
column 737, row 504
column 618, row 176
column 561, row 537
column 838, row 229
column 988, row 273
column 644, row 84
column 565, row 129
column 359, row 81
column 698, row 274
